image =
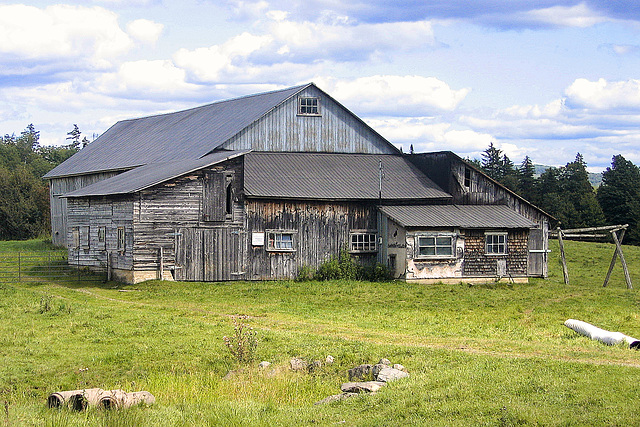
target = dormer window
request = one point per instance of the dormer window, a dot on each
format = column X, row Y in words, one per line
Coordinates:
column 309, row 106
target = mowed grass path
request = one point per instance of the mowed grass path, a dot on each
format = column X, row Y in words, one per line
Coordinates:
column 478, row 355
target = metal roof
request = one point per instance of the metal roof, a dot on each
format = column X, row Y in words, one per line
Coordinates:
column 181, row 135
column 333, row 176
column 155, row 173
column 462, row 216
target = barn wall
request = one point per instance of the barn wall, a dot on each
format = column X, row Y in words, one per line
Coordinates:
column 60, row 186
column 477, row 263
column 88, row 216
column 321, row 230
column 334, row 130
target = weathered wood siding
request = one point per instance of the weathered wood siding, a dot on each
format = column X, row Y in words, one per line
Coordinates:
column 335, row 130
column 320, row 230
column 60, row 186
column 91, row 214
column 478, row 263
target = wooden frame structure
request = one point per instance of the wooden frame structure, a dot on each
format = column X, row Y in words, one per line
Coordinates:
column 595, row 232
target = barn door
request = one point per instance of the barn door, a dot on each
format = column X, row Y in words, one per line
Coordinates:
column 210, row 254
column 538, row 248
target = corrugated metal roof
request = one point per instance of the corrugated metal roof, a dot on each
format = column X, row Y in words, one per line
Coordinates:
column 182, row 135
column 331, row 176
column 463, row 216
column 155, row 173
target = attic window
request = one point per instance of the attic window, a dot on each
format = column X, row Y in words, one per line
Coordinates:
column 309, row 106
column 467, row 178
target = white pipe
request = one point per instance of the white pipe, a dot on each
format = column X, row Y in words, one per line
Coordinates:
column 595, row 333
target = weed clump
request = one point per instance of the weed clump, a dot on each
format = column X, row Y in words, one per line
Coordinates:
column 244, row 341
column 344, row 267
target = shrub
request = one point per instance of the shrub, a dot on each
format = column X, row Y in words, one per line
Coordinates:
column 344, row 267
column 244, row 341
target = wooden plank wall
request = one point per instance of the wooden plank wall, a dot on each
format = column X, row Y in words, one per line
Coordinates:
column 335, row 130
column 60, row 186
column 320, row 230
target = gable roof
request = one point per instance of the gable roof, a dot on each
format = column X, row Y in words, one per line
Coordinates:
column 462, row 216
column 149, row 175
column 334, row 176
column 182, row 135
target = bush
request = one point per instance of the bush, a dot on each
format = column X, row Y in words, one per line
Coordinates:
column 343, row 267
column 244, row 341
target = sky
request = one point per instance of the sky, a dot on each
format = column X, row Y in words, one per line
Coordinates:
column 546, row 78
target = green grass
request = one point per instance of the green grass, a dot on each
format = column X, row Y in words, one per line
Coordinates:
column 493, row 354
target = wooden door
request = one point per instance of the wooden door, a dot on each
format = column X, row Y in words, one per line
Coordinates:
column 538, row 249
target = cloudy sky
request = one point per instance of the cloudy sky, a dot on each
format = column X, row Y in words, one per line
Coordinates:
column 545, row 78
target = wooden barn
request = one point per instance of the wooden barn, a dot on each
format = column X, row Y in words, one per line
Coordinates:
column 258, row 187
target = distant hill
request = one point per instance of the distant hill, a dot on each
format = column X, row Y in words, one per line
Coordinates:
column 594, row 178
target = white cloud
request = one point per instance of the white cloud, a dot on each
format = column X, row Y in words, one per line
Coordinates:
column 61, row 32
column 580, row 16
column 603, row 95
column 395, row 95
column 209, row 63
column 144, row 30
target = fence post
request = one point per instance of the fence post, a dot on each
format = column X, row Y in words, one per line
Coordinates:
column 19, row 268
column 565, row 272
column 161, row 264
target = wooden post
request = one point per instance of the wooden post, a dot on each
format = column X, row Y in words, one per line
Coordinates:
column 161, row 264
column 613, row 259
column 108, row 266
column 19, row 266
column 565, row 272
column 624, row 263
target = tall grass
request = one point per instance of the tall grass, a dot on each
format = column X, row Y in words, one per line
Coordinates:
column 494, row 354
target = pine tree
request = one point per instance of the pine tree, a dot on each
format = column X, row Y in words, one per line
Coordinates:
column 492, row 162
column 526, row 179
column 619, row 196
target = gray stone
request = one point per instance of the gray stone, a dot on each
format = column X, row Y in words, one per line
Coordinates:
column 384, row 361
column 390, row 374
column 298, row 364
column 232, row 374
column 329, row 360
column 264, row 364
column 398, row 366
column 376, row 370
column 335, row 398
column 359, row 387
column 360, row 373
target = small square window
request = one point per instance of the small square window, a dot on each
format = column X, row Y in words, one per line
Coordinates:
column 496, row 243
column 436, row 246
column 363, row 242
column 309, row 106
column 280, row 241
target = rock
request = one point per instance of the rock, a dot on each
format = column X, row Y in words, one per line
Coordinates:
column 359, row 387
column 390, row 374
column 398, row 366
column 298, row 364
column 335, row 398
column 232, row 374
column 360, row 373
column 376, row 370
column 329, row 360
column 315, row 365
column 264, row 364
column 384, row 361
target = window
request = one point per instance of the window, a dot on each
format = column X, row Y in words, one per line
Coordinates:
column 496, row 243
column 102, row 234
column 309, row 106
column 280, row 241
column 436, row 246
column 84, row 237
column 121, row 239
column 363, row 241
column 75, row 237
column 467, row 178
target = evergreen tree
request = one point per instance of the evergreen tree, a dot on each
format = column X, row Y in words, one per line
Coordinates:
column 526, row 179
column 619, row 196
column 492, row 162
column 583, row 208
column 74, row 136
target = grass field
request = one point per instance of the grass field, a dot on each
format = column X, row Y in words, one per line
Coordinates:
column 493, row 354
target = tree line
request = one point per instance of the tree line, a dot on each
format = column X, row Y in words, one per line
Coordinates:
column 566, row 193
column 24, row 194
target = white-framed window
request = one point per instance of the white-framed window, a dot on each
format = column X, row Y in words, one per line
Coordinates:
column 280, row 241
column 363, row 241
column 435, row 245
column 309, row 106
column 496, row 243
column 121, row 239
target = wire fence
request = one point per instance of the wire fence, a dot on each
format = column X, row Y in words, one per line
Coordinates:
column 39, row 266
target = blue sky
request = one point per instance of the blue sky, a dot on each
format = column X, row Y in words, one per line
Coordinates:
column 547, row 78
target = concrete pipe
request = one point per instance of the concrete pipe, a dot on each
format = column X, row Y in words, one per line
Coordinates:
column 595, row 333
column 112, row 399
column 76, row 399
